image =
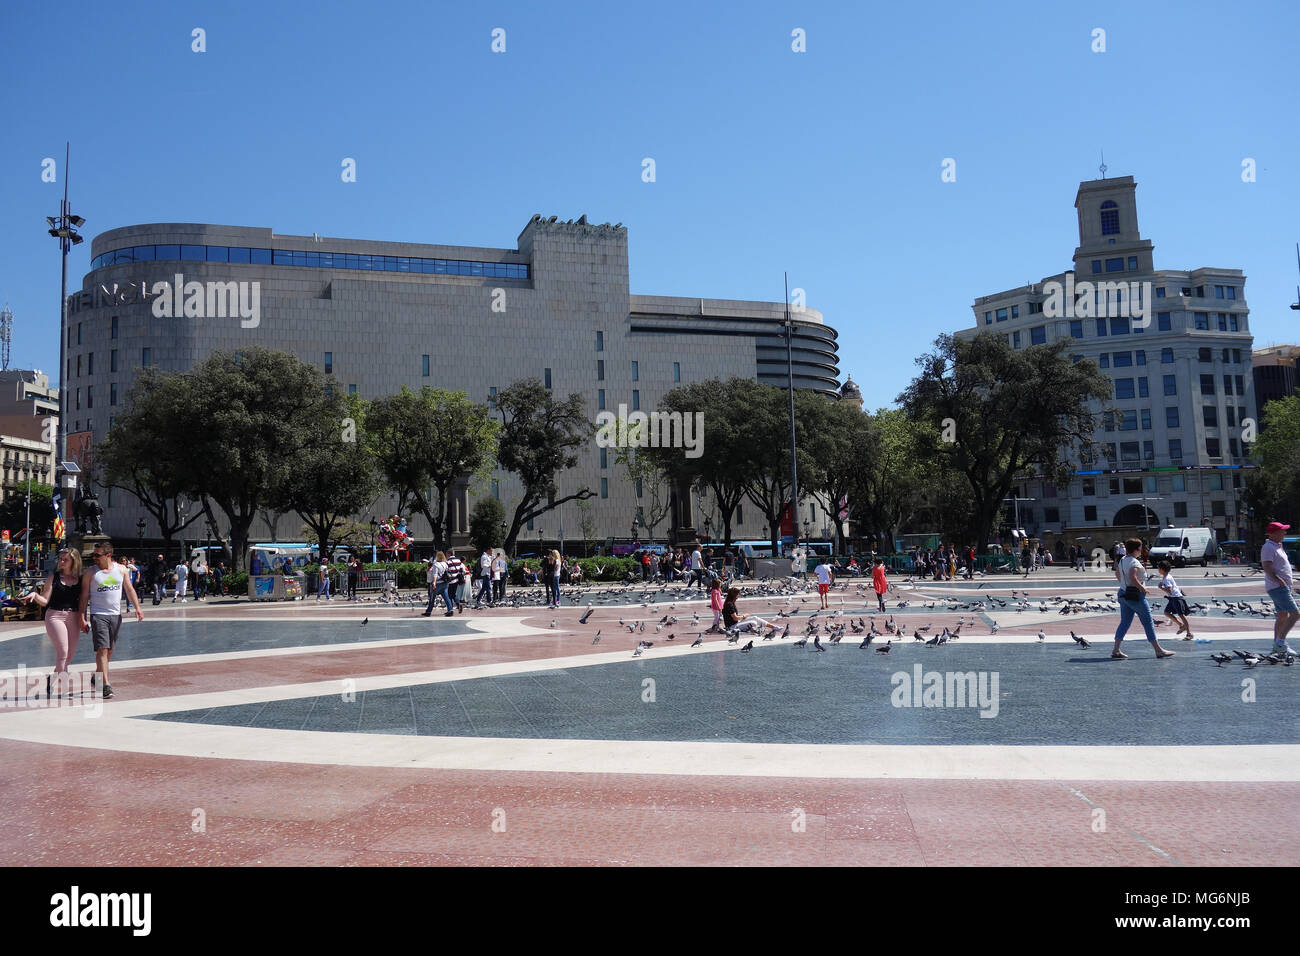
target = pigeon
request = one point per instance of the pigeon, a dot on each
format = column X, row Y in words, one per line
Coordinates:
column 916, row 636
column 994, row 627
column 817, row 645
column 865, row 642
column 552, row 623
column 698, row 641
column 365, row 622
column 1242, row 654
column 1220, row 659
column 585, row 614
column 639, row 650
column 747, row 648
column 1082, row 642
column 671, row 635
column 596, row 640
column 800, row 643
column 885, row 649
column 646, row 644
column 1042, row 636
column 932, row 642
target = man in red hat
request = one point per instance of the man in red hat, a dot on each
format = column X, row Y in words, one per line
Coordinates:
column 1278, row 583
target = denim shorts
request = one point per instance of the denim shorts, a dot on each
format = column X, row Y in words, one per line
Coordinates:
column 1282, row 599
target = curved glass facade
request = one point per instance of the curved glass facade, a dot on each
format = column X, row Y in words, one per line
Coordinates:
column 311, row 260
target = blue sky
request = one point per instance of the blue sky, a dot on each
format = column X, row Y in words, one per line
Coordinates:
column 824, row 163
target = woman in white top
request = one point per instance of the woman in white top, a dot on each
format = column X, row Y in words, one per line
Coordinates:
column 1175, row 606
column 1132, row 579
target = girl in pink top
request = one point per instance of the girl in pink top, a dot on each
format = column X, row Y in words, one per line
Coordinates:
column 715, row 602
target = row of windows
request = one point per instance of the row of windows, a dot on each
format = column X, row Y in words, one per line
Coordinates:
column 1211, row 481
column 1115, row 265
column 1227, row 321
column 1127, row 420
column 314, row 260
column 1128, row 451
column 636, row 399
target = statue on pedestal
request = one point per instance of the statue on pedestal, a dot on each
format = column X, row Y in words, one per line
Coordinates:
column 89, row 512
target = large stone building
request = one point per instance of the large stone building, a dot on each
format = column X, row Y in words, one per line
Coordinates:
column 1177, row 347
column 380, row 315
column 1276, row 370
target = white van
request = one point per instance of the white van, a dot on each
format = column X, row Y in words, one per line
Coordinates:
column 1182, row 546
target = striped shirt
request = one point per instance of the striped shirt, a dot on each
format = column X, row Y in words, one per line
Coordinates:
column 455, row 571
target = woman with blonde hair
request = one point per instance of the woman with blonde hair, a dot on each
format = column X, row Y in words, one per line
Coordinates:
column 1133, row 599
column 555, row 567
column 61, row 598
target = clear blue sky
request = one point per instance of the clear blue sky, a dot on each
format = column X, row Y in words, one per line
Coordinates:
column 824, row 163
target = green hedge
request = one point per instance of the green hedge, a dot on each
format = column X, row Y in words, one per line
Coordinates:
column 593, row 569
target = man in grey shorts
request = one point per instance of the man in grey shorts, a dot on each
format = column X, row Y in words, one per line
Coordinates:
column 101, row 607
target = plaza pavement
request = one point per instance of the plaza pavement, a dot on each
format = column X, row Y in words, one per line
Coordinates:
column 260, row 734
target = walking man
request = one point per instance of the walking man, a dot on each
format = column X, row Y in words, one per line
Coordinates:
column 101, row 608
column 485, row 578
column 158, row 579
column 824, row 578
column 1278, row 583
column 182, row 576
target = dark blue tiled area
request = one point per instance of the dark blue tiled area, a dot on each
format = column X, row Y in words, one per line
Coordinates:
column 174, row 638
column 1050, row 695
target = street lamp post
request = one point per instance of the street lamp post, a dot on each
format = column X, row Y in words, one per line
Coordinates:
column 64, row 228
column 27, row 534
column 182, row 507
column 789, row 372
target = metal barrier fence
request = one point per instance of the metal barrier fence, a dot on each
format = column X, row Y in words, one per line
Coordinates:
column 369, row 579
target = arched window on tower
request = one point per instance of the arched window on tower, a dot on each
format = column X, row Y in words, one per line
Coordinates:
column 1109, row 218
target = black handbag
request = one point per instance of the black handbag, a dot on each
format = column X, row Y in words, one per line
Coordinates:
column 1133, row 593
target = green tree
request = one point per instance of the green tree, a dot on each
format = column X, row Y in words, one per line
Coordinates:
column 997, row 412
column 147, row 456
column 540, row 438
column 1273, row 490
column 648, row 470
column 766, row 431
column 333, row 474
column 485, row 520
column 427, row 442
column 13, row 510
column 724, row 463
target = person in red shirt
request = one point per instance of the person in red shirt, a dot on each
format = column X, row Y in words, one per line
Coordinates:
column 878, row 582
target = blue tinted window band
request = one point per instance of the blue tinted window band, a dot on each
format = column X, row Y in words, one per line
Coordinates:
column 312, row 260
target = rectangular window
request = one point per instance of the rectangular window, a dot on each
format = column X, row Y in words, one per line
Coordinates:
column 1132, row 263
column 78, row 333
column 1171, row 416
column 1216, row 482
column 1119, row 325
column 1122, row 359
column 636, row 399
column 1200, row 292
column 496, row 488
column 1108, row 421
column 78, row 403
column 1002, row 315
column 329, row 362
column 1207, row 384
column 1128, row 421
column 1223, row 321
column 1015, row 340
column 78, row 366
column 146, row 357
column 1140, row 357
column 1101, row 327
column 604, row 487
column 638, row 488
column 1089, row 487
column 1089, row 512
column 112, row 393
column 1109, row 448
column 636, row 371
column 1166, row 356
column 1202, row 321
column 1241, row 383
column 1096, row 266
column 1146, row 419
column 1180, row 509
column 1232, row 292
column 1233, row 450
column 112, row 333
column 604, row 458
column 1160, row 292
column 546, row 377
column 1144, row 390
column 600, row 341
column 1103, row 360
column 988, row 318
column 492, row 396
column 600, row 370
column 1149, row 454
column 1162, row 321
column 1212, row 447
column 1178, row 482
column 90, row 363
column 1203, row 355
column 677, row 371
column 424, row 366
column 1076, row 328
column 90, row 396
column 1015, row 311
column 1115, row 265
column 1176, row 450
column 352, row 389
column 1227, row 385
column 1052, row 515
column 1210, row 415
column 600, row 399
column 1128, row 451
column 1124, row 388
column 1038, row 335
column 1218, row 292
column 112, row 361
column 1236, row 356
column 1217, row 509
